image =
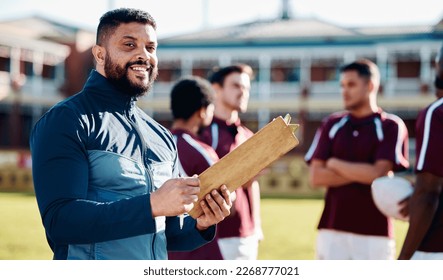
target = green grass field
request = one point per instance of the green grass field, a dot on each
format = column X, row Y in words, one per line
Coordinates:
column 21, row 233
column 289, row 227
column 290, row 231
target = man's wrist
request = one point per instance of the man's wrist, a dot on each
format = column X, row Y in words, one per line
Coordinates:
column 200, row 228
column 153, row 205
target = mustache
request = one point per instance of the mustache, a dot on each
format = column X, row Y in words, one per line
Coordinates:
column 139, row 62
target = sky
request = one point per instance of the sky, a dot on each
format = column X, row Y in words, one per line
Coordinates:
column 183, row 16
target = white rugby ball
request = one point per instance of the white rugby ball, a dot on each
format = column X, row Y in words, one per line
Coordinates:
column 387, row 192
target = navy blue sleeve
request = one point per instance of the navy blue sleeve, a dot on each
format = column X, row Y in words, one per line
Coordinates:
column 60, row 174
column 188, row 238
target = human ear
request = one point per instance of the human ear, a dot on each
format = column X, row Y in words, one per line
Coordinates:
column 99, row 54
column 202, row 112
column 371, row 86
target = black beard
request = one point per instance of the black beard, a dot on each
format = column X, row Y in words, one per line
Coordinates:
column 118, row 76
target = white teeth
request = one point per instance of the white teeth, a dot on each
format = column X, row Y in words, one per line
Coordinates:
column 139, row 68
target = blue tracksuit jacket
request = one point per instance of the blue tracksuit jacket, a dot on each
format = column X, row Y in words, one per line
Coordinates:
column 96, row 159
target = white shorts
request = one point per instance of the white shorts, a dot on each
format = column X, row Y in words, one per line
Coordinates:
column 420, row 255
column 339, row 245
column 239, row 248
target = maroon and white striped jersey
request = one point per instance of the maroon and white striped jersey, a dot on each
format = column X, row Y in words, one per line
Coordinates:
column 194, row 158
column 380, row 136
column 194, row 155
column 429, row 158
column 224, row 138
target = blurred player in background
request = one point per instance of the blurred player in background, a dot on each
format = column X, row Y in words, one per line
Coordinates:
column 192, row 109
column 239, row 234
column 424, row 239
column 349, row 151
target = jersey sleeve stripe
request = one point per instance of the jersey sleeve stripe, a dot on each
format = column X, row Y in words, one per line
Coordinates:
column 399, row 157
column 427, row 134
column 378, row 129
column 214, row 133
column 314, row 145
column 199, row 148
column 337, row 126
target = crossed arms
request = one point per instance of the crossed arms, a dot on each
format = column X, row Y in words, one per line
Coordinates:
column 335, row 172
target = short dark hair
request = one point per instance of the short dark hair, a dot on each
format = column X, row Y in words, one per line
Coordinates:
column 365, row 69
column 218, row 76
column 112, row 19
column 190, row 94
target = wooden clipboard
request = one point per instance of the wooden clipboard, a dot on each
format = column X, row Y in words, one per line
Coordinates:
column 247, row 160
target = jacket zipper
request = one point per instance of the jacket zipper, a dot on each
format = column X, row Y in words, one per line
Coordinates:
column 144, row 147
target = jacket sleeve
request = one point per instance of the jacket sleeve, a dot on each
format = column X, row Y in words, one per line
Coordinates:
column 60, row 174
column 188, row 238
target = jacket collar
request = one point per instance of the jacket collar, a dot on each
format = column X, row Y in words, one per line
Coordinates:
column 100, row 87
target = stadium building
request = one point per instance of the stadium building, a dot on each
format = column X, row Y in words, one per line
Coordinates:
column 295, row 60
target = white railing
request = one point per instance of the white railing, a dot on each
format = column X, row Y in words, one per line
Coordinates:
column 280, row 94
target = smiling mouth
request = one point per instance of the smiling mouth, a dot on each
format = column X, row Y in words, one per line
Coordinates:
column 139, row 68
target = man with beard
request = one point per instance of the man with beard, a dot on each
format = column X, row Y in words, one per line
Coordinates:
column 105, row 173
column 349, row 151
column 192, row 109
